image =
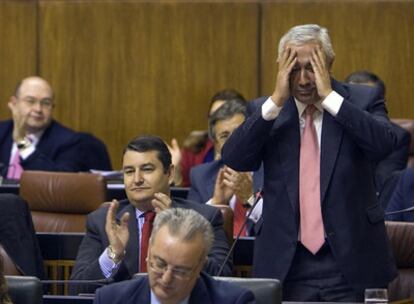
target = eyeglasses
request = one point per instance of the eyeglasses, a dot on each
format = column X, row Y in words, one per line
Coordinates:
column 159, row 266
column 46, row 103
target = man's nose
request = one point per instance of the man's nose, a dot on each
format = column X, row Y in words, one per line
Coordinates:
column 167, row 276
column 303, row 77
column 138, row 176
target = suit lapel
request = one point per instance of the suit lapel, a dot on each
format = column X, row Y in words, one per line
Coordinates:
column 331, row 138
column 287, row 137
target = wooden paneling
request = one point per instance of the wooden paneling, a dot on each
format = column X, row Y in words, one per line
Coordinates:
column 372, row 35
column 124, row 68
column 18, row 47
column 121, row 68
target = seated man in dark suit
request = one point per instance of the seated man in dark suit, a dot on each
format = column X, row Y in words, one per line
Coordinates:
column 117, row 248
column 402, row 198
column 216, row 184
column 180, row 241
column 32, row 140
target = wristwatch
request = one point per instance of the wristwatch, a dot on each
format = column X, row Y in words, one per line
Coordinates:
column 113, row 256
column 24, row 143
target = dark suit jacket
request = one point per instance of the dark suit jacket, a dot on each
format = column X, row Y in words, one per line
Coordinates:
column 206, row 291
column 93, row 153
column 203, row 178
column 351, row 145
column 402, row 198
column 388, row 170
column 57, row 149
column 95, row 241
column 18, row 237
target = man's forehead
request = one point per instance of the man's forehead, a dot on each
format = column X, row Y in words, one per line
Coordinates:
column 148, row 157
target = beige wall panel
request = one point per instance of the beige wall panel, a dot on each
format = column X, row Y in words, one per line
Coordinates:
column 123, row 68
column 18, row 47
column 372, row 35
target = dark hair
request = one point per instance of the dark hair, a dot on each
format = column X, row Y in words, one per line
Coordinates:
column 363, row 77
column 149, row 143
column 225, row 111
column 226, row 95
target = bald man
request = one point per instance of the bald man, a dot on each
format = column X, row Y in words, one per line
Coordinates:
column 32, row 140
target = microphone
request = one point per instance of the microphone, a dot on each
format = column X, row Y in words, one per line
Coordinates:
column 410, row 209
column 256, row 201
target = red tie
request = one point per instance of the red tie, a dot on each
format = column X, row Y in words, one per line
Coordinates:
column 311, row 224
column 15, row 169
column 239, row 218
column 145, row 236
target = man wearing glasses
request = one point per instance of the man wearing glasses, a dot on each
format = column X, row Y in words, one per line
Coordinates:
column 178, row 247
column 32, row 140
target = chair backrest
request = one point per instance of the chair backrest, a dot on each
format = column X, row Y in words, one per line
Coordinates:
column 60, row 201
column 408, row 125
column 266, row 291
column 401, row 236
column 24, row 290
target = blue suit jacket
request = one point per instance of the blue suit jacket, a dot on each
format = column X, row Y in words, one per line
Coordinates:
column 95, row 241
column 203, row 178
column 206, row 291
column 351, row 145
column 57, row 149
column 402, row 198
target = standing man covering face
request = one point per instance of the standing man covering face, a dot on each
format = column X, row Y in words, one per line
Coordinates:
column 32, row 140
column 323, row 231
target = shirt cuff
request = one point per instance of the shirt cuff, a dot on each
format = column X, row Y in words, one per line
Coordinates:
column 25, row 153
column 270, row 110
column 107, row 265
column 257, row 211
column 333, row 103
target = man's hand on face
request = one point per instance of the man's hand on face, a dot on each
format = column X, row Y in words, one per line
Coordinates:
column 321, row 70
column 161, row 202
column 282, row 87
column 118, row 234
column 19, row 121
column 222, row 193
column 240, row 182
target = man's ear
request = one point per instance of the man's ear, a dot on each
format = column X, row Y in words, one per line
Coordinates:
column 12, row 102
column 171, row 174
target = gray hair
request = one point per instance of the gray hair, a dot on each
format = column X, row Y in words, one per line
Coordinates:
column 306, row 33
column 185, row 224
column 225, row 111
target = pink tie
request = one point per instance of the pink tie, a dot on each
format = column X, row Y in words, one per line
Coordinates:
column 15, row 169
column 311, row 224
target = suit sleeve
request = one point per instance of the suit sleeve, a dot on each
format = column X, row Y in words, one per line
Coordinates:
column 87, row 263
column 400, row 198
column 220, row 247
column 364, row 118
column 243, row 150
column 194, row 193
